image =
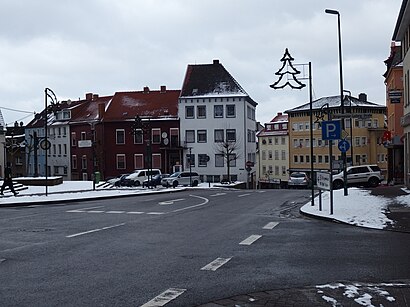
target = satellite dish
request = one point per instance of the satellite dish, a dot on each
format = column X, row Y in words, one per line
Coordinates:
column 166, row 141
column 164, row 135
column 69, row 102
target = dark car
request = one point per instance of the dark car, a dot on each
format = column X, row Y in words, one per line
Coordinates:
column 154, row 181
column 117, row 181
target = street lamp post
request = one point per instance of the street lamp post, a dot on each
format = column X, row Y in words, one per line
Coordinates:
column 49, row 96
column 334, row 12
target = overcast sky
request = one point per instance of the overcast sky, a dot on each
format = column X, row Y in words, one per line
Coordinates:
column 104, row 46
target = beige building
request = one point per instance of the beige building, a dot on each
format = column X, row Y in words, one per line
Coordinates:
column 365, row 134
column 273, row 159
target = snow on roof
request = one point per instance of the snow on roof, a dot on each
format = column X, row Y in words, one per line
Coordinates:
column 334, row 102
column 2, row 122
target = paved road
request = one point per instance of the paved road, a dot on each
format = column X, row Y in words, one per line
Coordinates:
column 183, row 249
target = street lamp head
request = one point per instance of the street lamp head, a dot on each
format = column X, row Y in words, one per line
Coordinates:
column 333, row 12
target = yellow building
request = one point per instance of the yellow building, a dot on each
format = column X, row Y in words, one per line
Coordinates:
column 365, row 135
column 273, row 155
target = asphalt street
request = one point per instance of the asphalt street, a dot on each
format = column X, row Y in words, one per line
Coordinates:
column 183, row 249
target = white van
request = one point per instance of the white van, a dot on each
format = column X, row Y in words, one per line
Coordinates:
column 139, row 176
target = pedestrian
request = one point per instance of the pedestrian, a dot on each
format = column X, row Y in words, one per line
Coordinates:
column 8, row 181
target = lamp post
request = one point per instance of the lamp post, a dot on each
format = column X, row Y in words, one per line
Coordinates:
column 351, row 125
column 334, row 12
column 49, row 96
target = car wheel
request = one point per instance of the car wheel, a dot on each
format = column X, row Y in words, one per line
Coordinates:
column 195, row 183
column 137, row 183
column 175, row 184
column 338, row 184
column 373, row 182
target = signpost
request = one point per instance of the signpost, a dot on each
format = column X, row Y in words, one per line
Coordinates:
column 331, row 130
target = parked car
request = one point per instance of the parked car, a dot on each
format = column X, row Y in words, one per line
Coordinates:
column 117, row 181
column 156, row 180
column 138, row 177
column 369, row 175
column 298, row 180
column 181, row 178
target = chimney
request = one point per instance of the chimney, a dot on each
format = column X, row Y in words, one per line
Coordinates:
column 216, row 62
column 146, row 89
column 363, row 97
column 279, row 113
column 163, row 89
column 88, row 96
column 101, row 110
column 95, row 97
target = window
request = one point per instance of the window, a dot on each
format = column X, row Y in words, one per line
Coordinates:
column 190, row 136
column 295, row 143
column 276, row 126
column 219, row 135
column 307, row 159
column 156, row 160
column 301, row 126
column 120, row 136
column 283, row 170
column 270, row 154
column 230, row 110
column 138, row 161
column 203, row 159
column 320, row 157
column 83, row 135
column 54, row 149
column 283, row 155
column 276, row 170
column 73, row 139
column 276, row 141
column 218, row 111
column 219, row 160
column 230, row 135
column 232, row 159
column 59, row 149
column 295, row 127
column 364, row 141
column 18, row 160
column 263, row 155
column 295, row 159
column 301, row 159
column 74, row 162
column 270, row 141
column 201, row 111
column 201, row 136
column 190, row 160
column 138, row 136
column 276, row 154
column 174, row 137
column 56, row 170
column 189, row 112
column 64, row 131
column 120, row 161
column 284, row 126
column 156, row 135
column 283, row 141
column 65, row 149
column 357, row 141
column 84, row 162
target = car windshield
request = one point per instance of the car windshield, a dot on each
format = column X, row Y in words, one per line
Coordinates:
column 298, row 175
column 175, row 174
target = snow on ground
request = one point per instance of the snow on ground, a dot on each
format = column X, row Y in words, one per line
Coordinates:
column 358, row 208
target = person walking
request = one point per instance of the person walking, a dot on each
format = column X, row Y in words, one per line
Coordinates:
column 8, row 181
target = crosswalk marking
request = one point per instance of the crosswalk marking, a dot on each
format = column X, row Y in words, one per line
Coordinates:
column 164, row 298
column 271, row 225
column 251, row 239
column 216, row 264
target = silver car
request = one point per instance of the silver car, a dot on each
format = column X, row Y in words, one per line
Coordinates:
column 298, row 180
column 181, row 178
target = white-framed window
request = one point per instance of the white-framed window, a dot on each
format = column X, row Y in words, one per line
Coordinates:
column 74, row 161
column 138, row 136
column 219, row 135
column 219, row 160
column 283, row 141
column 156, row 135
column 218, row 111
column 283, row 155
column 270, row 156
column 263, row 155
column 232, row 160
column 189, row 112
column 230, row 110
column 276, row 154
column 201, row 111
column 138, row 161
column 73, row 139
column 83, row 135
column 190, row 136
column 120, row 136
column 120, row 161
column 203, row 160
column 156, row 160
column 201, row 134
column 174, row 132
column 84, row 162
column 231, row 135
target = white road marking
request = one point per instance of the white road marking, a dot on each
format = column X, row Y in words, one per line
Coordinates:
column 242, row 195
column 91, row 208
column 216, row 264
column 94, row 230
column 155, row 213
column 250, row 240
column 164, row 298
column 94, row 211
column 135, row 212
column 170, row 202
column 75, row 211
column 217, row 194
column 271, row 225
column 261, row 191
column 206, row 200
column 115, row 212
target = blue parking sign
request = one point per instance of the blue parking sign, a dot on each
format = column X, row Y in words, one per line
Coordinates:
column 331, row 130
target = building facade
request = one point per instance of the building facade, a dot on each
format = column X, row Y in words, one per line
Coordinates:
column 364, row 129
column 273, row 157
column 218, row 126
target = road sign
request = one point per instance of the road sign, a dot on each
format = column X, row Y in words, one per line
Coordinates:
column 343, row 146
column 84, row 143
column 45, row 144
column 331, row 130
column 323, row 180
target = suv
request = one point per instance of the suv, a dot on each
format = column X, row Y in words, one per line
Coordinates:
column 298, row 179
column 362, row 174
column 139, row 176
column 181, row 178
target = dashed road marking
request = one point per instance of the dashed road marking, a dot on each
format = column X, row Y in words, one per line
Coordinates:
column 94, row 230
column 135, row 212
column 170, row 202
column 242, row 195
column 217, row 194
column 271, row 225
column 115, row 212
column 216, row 264
column 251, row 239
column 94, row 211
column 164, row 298
column 155, row 213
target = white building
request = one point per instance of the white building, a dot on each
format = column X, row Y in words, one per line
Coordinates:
column 214, row 110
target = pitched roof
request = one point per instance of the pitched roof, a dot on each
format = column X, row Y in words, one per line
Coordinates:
column 211, row 80
column 334, row 102
column 280, row 118
column 87, row 110
column 154, row 104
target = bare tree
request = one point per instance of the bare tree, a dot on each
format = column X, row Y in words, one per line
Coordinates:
column 230, row 152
